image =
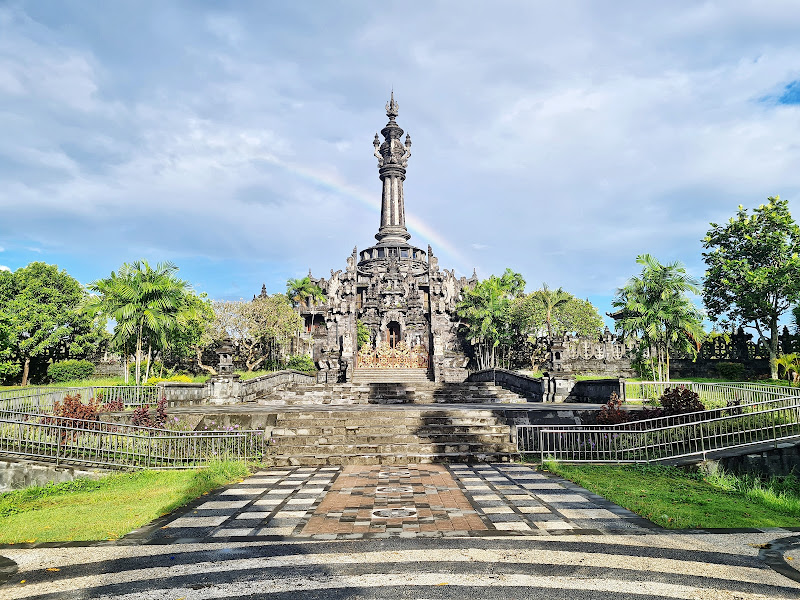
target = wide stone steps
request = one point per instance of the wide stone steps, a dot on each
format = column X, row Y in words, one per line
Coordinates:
column 392, row 393
column 388, row 436
column 370, row 375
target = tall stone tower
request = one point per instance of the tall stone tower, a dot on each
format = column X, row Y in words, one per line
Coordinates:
column 392, row 157
column 396, row 291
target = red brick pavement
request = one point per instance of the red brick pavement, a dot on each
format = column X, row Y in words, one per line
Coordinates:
column 376, row 499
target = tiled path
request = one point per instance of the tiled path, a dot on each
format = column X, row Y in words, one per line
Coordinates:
column 406, row 501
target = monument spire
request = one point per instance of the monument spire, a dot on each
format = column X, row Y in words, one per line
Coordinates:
column 392, row 157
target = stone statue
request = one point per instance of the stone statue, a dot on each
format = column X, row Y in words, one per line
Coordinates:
column 347, row 344
column 438, row 347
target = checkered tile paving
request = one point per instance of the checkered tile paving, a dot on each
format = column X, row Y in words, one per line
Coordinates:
column 406, row 501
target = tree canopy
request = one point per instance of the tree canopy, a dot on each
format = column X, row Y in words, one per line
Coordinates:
column 654, row 307
column 146, row 303
column 753, row 270
column 485, row 313
column 41, row 320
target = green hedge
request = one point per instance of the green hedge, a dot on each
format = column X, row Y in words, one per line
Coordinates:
column 70, row 370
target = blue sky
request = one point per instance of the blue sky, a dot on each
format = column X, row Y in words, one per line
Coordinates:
column 235, row 138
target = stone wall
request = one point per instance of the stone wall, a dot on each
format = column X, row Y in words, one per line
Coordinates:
column 252, row 388
column 16, row 474
column 687, row 369
column 553, row 388
column 183, row 394
column 782, row 460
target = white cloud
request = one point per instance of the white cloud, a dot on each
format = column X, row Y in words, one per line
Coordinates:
column 4, row 268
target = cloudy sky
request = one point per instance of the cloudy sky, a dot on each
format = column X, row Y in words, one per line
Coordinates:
column 235, row 138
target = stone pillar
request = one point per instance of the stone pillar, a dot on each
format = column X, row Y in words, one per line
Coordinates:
column 224, row 387
column 347, row 362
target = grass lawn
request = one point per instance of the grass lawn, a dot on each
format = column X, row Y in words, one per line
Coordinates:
column 108, row 508
column 675, row 499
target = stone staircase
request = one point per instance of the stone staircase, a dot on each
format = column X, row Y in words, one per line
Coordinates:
column 386, row 436
column 407, row 376
column 420, row 392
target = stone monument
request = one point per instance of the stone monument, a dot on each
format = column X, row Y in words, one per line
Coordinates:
column 394, row 288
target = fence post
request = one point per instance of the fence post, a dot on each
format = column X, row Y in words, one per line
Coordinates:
column 58, row 444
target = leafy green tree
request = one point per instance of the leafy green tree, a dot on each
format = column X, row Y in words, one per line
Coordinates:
column 194, row 330
column 485, row 313
column 550, row 300
column 753, row 270
column 262, row 328
column 305, row 293
column 146, row 303
column 41, row 320
column 569, row 315
column 362, row 334
column 654, row 307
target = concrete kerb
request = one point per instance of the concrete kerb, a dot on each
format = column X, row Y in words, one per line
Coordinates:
column 776, row 555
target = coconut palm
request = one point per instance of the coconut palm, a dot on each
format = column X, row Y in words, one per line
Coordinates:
column 790, row 365
column 145, row 303
column 550, row 300
column 654, row 306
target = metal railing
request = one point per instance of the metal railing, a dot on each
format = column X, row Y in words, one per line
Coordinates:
column 42, row 399
column 773, row 418
column 652, row 390
column 99, row 443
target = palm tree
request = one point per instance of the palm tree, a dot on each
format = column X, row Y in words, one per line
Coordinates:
column 305, row 292
column 655, row 307
column 549, row 300
column 485, row 313
column 145, row 302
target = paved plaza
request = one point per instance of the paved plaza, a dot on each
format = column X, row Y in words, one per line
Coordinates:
column 410, row 531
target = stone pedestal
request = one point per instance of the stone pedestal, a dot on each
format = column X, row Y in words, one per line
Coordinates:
column 224, row 389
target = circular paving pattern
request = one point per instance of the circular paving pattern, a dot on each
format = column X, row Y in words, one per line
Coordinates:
column 397, row 473
column 394, row 513
column 394, row 489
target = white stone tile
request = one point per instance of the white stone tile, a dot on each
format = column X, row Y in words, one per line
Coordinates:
column 280, row 492
column 562, row 498
column 496, row 510
column 517, row 496
column 587, row 513
column 223, row 504
column 290, row 514
column 542, row 486
column 254, row 514
column 486, row 497
column 513, row 526
column 248, row 491
column 554, row 525
column 198, row 521
column 533, row 509
column 301, row 501
column 232, row 531
column 275, row 531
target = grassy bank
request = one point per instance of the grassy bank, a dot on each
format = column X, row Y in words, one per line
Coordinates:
column 676, row 499
column 107, row 508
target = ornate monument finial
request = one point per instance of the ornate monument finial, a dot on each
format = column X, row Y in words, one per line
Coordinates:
column 392, row 108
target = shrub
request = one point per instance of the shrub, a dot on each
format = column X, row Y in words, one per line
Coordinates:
column 142, row 418
column 680, row 400
column 732, row 371
column 176, row 378
column 113, row 406
column 300, row 362
column 69, row 370
column 612, row 413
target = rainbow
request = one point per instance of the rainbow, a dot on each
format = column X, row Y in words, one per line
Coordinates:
column 442, row 248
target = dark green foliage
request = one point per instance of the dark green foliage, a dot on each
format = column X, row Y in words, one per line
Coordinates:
column 70, row 370
column 680, row 400
column 300, row 362
column 732, row 371
column 41, row 321
column 362, row 335
column 753, row 274
column 612, row 413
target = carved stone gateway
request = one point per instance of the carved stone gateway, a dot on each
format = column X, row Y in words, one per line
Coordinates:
column 395, row 289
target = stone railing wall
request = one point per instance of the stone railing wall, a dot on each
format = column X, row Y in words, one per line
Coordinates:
column 183, row 394
column 553, row 389
column 530, row 387
column 253, row 388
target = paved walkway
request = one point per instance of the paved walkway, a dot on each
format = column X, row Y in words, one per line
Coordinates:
column 383, row 501
column 417, row 531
